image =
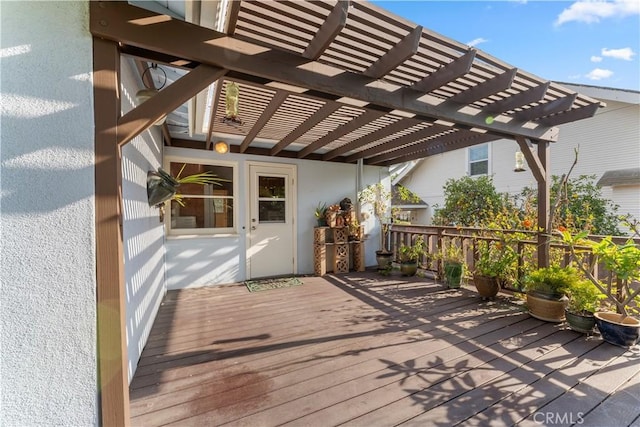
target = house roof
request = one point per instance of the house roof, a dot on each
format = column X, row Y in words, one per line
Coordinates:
column 617, row 177
column 402, row 196
column 343, row 81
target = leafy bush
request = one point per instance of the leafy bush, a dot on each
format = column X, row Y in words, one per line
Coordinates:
column 552, row 280
column 582, row 207
column 470, row 202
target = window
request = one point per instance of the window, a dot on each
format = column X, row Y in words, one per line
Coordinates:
column 479, row 160
column 203, row 209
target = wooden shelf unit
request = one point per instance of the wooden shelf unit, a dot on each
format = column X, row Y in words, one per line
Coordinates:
column 333, row 252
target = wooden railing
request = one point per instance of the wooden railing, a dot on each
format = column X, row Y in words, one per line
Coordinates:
column 524, row 242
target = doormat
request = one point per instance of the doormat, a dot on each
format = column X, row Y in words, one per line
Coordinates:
column 276, row 283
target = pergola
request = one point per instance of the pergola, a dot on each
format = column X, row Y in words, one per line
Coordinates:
column 319, row 80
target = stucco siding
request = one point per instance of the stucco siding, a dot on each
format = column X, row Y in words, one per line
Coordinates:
column 48, row 316
column 143, row 233
column 200, row 261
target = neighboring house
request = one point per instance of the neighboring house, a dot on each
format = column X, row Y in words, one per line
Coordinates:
column 86, row 261
column 608, row 144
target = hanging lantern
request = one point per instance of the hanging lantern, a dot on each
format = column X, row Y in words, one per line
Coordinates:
column 519, row 162
column 232, row 92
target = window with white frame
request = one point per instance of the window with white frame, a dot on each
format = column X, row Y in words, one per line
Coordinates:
column 478, row 160
column 203, row 209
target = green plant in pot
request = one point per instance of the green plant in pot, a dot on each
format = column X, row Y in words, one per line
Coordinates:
column 547, row 290
column 410, row 255
column 495, row 260
column 621, row 286
column 584, row 301
column 320, row 214
column 379, row 198
column 453, row 264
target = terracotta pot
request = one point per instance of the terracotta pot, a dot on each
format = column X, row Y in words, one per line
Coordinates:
column 579, row 322
column 549, row 310
column 487, row 286
column 617, row 329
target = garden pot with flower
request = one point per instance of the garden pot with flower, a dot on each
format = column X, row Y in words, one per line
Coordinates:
column 495, row 259
column 547, row 290
column 410, row 256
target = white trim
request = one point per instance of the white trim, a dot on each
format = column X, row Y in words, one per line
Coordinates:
column 468, row 159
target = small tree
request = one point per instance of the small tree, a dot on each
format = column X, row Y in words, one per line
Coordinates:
column 470, row 202
column 581, row 206
column 379, row 198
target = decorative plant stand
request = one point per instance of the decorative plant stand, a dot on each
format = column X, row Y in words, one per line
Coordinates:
column 333, row 252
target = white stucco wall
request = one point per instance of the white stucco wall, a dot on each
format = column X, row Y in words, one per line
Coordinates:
column 193, row 262
column 48, row 310
column 143, row 233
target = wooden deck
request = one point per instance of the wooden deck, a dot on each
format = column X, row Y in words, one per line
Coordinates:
column 366, row 350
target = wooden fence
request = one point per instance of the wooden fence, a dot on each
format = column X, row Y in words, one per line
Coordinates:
column 525, row 243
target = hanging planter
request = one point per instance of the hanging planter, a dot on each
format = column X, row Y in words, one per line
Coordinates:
column 160, row 187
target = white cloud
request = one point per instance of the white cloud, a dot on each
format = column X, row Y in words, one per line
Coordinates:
column 599, row 74
column 596, row 58
column 592, row 11
column 624, row 53
column 476, row 42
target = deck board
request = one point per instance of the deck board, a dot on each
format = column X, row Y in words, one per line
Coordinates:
column 363, row 349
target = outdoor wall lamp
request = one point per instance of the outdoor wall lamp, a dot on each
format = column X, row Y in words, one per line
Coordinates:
column 519, row 162
column 144, row 94
column 221, row 147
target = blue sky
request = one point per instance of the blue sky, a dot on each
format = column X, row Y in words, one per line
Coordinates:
column 583, row 42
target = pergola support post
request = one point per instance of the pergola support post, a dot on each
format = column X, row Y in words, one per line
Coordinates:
column 113, row 377
column 539, row 164
column 544, row 232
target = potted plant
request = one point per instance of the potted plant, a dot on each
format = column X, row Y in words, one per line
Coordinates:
column 547, row 290
column 161, row 186
column 584, row 301
column 453, row 264
column 379, row 198
column 410, row 255
column 494, row 261
column 621, row 286
column 320, row 213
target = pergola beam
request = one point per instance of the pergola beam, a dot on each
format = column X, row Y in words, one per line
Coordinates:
column 547, row 108
column 329, row 30
column 325, row 111
column 127, row 24
column 439, row 148
column 371, row 137
column 532, row 159
column 499, row 83
column 398, row 142
column 534, row 94
column 403, row 50
column 570, row 116
column 447, row 73
column 367, row 117
column 140, row 118
column 451, row 136
column 264, row 118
